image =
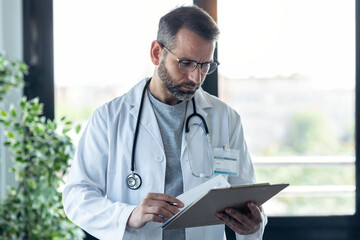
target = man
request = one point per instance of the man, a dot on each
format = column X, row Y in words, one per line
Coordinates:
column 134, row 158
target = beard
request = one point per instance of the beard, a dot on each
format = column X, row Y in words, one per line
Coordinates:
column 175, row 90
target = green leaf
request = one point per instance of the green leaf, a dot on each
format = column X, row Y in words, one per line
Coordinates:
column 23, row 102
column 4, row 114
column 50, row 125
column 39, row 129
column 65, row 130
column 16, row 145
column 23, row 67
column 13, row 111
column 78, row 128
column 32, row 183
column 10, row 135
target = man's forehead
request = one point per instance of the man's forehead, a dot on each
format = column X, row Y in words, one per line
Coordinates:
column 188, row 40
column 187, row 34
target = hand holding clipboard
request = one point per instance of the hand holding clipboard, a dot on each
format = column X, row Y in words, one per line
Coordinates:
column 203, row 210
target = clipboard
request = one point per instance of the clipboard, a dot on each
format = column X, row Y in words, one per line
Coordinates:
column 202, row 212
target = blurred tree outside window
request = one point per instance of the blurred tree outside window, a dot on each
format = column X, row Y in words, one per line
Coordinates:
column 288, row 68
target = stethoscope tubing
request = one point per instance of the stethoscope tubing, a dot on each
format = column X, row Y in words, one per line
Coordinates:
column 195, row 114
column 137, row 126
column 134, row 180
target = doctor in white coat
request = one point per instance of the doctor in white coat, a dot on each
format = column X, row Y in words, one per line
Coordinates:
column 97, row 196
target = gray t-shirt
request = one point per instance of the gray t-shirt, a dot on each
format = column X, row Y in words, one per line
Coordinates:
column 171, row 123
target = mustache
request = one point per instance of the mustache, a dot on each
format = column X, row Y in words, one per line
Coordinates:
column 188, row 84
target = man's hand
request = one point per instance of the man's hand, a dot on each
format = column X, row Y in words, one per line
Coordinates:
column 155, row 207
column 241, row 223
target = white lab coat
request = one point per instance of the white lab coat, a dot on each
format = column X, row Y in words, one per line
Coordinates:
column 96, row 197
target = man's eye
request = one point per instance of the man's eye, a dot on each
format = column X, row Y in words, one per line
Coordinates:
column 187, row 63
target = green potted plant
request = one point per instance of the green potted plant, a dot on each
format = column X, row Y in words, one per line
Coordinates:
column 41, row 150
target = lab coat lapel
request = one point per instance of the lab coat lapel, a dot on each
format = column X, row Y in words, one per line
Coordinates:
column 148, row 119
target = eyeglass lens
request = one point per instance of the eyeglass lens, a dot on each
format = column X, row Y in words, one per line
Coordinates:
column 205, row 68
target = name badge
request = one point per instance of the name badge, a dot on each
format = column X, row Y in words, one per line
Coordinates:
column 226, row 161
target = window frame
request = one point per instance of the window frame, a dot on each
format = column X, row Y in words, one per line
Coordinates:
column 38, row 16
column 38, row 53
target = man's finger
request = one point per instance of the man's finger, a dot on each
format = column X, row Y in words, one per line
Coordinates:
column 241, row 218
column 255, row 212
column 148, row 203
column 239, row 222
column 158, row 210
column 165, row 198
column 153, row 218
column 232, row 223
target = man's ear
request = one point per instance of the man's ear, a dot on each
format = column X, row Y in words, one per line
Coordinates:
column 156, row 52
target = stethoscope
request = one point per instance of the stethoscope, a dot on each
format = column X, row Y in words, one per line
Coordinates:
column 133, row 180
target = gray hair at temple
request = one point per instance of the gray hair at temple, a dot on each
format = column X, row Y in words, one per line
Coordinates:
column 192, row 18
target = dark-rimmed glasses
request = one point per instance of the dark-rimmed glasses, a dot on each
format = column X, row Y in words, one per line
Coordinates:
column 186, row 66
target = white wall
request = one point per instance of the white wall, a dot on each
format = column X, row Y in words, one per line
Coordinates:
column 11, row 44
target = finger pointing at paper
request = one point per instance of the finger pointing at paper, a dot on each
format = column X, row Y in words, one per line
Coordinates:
column 242, row 223
column 155, row 207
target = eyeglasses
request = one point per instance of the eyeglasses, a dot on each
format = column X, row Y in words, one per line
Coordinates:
column 186, row 66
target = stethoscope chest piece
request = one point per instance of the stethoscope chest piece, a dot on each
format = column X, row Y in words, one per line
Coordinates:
column 133, row 181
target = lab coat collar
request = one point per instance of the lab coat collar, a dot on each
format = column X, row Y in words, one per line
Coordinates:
column 202, row 102
column 148, row 119
column 133, row 98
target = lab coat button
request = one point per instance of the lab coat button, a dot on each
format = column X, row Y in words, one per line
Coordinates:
column 159, row 158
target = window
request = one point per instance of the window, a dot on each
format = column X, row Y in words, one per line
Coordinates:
column 288, row 68
column 101, row 49
column 280, row 227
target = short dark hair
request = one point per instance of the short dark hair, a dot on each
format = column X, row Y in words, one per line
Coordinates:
column 192, row 18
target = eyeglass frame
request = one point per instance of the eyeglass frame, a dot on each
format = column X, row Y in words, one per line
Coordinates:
column 189, row 60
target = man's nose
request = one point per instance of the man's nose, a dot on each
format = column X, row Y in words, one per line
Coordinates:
column 195, row 75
